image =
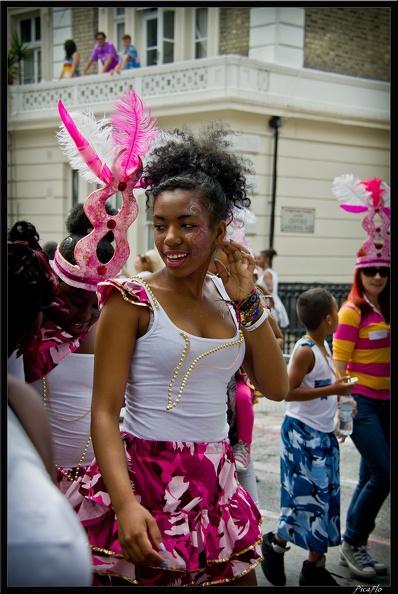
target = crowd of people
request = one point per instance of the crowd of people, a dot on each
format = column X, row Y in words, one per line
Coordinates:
column 185, row 346
column 104, row 52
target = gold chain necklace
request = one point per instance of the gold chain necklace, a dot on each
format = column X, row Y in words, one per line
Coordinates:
column 65, row 473
column 46, row 390
column 170, row 403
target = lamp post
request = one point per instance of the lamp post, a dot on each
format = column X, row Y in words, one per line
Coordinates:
column 275, row 123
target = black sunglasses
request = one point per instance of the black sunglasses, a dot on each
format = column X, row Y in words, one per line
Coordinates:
column 384, row 271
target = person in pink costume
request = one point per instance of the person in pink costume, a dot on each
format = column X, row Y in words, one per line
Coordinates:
column 161, row 503
column 104, row 51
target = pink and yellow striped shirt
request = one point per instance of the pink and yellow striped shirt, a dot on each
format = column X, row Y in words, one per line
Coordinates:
column 365, row 344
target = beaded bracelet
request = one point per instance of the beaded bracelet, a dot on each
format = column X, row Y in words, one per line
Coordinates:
column 254, row 325
column 248, row 309
column 251, row 302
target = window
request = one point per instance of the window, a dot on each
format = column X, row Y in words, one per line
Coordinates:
column 76, row 192
column 30, row 33
column 119, row 20
column 200, row 16
column 159, row 36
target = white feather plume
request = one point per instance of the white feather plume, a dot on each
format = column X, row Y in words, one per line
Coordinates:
column 97, row 134
column 243, row 215
column 348, row 189
column 386, row 195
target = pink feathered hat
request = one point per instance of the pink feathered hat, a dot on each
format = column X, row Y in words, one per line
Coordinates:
column 371, row 196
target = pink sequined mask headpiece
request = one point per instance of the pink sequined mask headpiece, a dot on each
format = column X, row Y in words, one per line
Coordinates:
column 373, row 197
column 108, row 151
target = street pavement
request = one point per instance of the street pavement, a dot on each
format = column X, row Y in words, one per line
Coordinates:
column 265, row 453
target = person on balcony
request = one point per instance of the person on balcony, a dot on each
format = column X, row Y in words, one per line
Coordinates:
column 130, row 56
column 104, row 51
column 70, row 67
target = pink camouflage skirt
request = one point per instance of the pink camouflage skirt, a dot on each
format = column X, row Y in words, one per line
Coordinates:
column 210, row 526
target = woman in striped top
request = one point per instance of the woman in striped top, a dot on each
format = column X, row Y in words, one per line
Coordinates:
column 361, row 348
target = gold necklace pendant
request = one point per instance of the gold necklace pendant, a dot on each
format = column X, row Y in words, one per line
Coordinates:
column 45, row 393
column 170, row 403
column 45, row 390
column 66, row 473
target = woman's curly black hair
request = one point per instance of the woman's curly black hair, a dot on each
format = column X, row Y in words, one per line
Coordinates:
column 30, row 281
column 78, row 225
column 205, row 163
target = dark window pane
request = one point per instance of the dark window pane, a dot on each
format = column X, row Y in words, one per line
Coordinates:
column 75, row 187
column 152, row 32
column 201, row 49
column 37, row 29
column 38, row 57
column 168, row 52
column 168, row 24
column 26, row 33
column 152, row 57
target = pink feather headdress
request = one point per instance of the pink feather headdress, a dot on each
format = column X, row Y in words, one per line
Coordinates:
column 371, row 196
column 109, row 151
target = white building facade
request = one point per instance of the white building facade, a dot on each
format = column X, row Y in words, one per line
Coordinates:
column 330, row 124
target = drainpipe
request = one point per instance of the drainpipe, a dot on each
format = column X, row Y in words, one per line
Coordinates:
column 275, row 123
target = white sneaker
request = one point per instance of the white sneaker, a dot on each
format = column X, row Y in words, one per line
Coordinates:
column 380, row 568
column 358, row 560
column 242, row 455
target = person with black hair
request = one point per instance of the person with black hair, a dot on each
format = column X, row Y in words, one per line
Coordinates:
column 105, row 51
column 309, row 457
column 169, row 509
column 66, row 388
column 70, row 66
column 269, row 281
column 66, row 325
column 50, row 247
column 44, row 536
column 31, row 285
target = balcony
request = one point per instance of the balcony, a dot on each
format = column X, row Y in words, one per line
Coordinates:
column 210, row 84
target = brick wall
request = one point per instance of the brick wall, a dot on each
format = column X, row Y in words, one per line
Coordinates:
column 348, row 40
column 84, row 27
column 234, row 31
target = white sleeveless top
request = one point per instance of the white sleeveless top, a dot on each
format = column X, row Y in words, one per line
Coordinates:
column 69, row 392
column 46, row 543
column 158, row 369
column 318, row 413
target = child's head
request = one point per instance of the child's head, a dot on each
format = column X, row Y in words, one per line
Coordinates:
column 316, row 305
column 126, row 40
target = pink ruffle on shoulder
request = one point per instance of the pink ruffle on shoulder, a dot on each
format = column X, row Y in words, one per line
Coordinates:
column 130, row 289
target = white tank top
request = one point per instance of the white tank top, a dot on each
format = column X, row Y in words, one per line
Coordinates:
column 318, row 413
column 69, row 392
column 201, row 412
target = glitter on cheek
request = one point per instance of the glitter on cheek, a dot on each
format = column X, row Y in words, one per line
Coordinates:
column 199, row 242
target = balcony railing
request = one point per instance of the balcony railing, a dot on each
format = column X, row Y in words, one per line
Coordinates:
column 222, row 82
column 165, row 85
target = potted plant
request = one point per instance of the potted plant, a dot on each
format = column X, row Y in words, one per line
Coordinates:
column 18, row 50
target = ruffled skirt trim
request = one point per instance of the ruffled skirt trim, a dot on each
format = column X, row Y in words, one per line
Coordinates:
column 210, row 525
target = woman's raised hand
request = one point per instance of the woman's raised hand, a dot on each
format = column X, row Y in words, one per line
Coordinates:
column 237, row 274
